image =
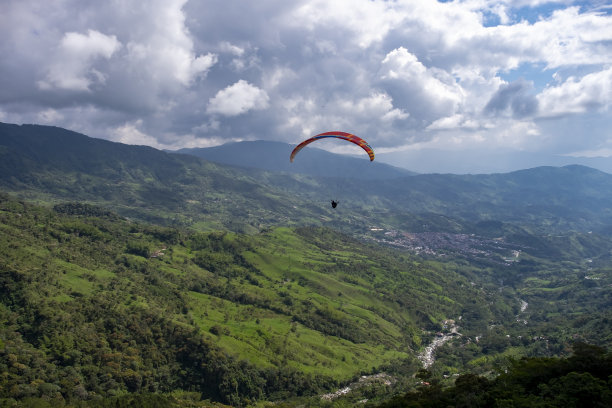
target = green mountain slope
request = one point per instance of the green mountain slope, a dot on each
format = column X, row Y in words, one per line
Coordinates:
column 53, row 164
column 111, row 306
column 581, row 380
column 96, row 305
column 46, row 163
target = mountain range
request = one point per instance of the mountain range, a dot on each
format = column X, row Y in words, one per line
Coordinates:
column 131, row 274
column 429, row 160
column 146, row 183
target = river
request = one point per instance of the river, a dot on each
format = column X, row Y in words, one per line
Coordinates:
column 427, row 357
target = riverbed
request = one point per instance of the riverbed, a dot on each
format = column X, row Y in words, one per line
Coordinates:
column 427, row 357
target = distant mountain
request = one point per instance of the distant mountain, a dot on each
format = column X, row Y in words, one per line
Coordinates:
column 274, row 156
column 484, row 161
column 53, row 164
column 97, row 304
column 31, row 149
column 553, row 198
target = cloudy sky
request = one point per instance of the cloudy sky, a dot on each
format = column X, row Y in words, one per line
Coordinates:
column 413, row 77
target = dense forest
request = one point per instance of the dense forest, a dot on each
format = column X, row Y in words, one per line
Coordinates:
column 95, row 306
column 582, row 380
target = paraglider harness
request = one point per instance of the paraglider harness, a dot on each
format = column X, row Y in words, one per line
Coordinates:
column 334, row 203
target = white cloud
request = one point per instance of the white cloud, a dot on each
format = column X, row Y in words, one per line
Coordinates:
column 237, row 99
column 72, row 68
column 367, row 22
column 201, row 65
column 457, row 121
column 132, row 133
column 129, row 133
column 230, row 48
column 418, row 88
column 577, row 95
column 173, row 72
column 162, row 46
column 570, row 37
column 378, row 106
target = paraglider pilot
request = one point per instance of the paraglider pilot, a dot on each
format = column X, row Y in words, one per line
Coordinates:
column 338, row 135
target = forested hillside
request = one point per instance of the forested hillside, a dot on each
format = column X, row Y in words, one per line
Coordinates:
column 96, row 306
column 134, row 276
column 581, row 380
column 52, row 164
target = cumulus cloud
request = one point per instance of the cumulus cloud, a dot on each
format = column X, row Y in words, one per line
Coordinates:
column 129, row 133
column 379, row 105
column 456, row 121
column 230, row 48
column 199, row 66
column 431, row 93
column 570, row 37
column 71, row 67
column 237, row 99
column 162, row 48
column 578, row 95
column 172, row 72
column 365, row 22
column 132, row 133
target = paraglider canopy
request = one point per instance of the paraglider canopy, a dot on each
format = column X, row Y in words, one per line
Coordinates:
column 339, row 135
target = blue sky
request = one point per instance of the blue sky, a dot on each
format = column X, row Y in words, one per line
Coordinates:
column 420, row 80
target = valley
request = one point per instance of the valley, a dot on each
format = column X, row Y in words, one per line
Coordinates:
column 129, row 272
column 427, row 356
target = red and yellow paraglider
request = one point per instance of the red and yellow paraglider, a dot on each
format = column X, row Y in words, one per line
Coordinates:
column 339, row 135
